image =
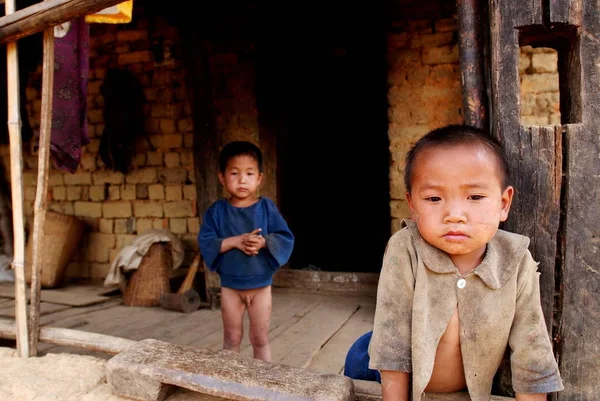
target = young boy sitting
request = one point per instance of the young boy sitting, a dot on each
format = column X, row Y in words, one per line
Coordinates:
column 454, row 289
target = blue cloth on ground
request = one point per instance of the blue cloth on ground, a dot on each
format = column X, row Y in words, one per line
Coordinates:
column 356, row 365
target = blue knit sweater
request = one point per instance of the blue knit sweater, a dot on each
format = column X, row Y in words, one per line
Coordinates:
column 236, row 269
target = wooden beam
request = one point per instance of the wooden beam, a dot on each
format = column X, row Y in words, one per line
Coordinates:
column 72, row 338
column 45, row 14
column 470, row 45
column 16, row 181
column 41, row 189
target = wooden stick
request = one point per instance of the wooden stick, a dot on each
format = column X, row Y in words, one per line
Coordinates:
column 188, row 281
column 72, row 338
column 46, row 14
column 16, row 181
column 42, row 189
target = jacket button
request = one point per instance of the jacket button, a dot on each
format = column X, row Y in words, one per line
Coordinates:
column 461, row 283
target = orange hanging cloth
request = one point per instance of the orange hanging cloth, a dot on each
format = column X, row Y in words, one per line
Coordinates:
column 119, row 14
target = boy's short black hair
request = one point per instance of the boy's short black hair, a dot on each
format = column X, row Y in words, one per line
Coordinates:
column 457, row 135
column 238, row 148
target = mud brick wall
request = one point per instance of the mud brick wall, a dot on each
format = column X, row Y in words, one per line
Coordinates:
column 159, row 190
column 424, row 93
column 540, row 96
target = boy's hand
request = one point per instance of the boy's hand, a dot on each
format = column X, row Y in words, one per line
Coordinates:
column 249, row 243
column 253, row 242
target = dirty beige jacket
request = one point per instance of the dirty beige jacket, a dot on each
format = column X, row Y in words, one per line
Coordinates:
column 499, row 305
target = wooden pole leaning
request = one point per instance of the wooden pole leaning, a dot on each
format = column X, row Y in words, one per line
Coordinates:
column 41, row 198
column 16, row 181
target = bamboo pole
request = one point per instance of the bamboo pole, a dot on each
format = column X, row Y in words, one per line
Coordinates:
column 72, row 338
column 16, row 181
column 42, row 189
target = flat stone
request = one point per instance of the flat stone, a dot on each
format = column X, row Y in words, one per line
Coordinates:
column 150, row 370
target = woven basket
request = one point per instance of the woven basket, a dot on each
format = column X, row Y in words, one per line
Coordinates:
column 62, row 234
column 151, row 279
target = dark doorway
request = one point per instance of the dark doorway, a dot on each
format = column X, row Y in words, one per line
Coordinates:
column 321, row 84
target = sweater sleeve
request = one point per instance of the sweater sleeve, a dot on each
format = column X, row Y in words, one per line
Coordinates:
column 390, row 346
column 534, row 368
column 209, row 241
column 280, row 240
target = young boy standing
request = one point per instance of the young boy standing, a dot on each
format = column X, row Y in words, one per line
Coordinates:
column 455, row 290
column 245, row 240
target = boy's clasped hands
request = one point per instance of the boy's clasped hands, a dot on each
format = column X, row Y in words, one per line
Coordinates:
column 252, row 242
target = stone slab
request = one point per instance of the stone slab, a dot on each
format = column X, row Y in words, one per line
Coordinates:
column 151, row 369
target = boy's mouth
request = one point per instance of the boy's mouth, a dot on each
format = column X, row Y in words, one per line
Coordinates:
column 455, row 236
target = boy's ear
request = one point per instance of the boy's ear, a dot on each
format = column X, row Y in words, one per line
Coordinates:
column 507, row 197
column 221, row 178
column 410, row 204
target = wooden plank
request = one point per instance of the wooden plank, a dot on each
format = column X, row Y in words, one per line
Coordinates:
column 517, row 14
column 132, row 323
column 566, row 11
column 279, row 325
column 329, row 281
column 72, row 338
column 45, row 14
column 332, row 356
column 285, row 308
column 72, row 317
column 45, row 309
column 579, row 333
column 297, row 345
column 535, row 157
column 74, row 296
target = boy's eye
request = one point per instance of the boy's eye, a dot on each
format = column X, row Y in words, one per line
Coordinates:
column 476, row 197
column 433, row 199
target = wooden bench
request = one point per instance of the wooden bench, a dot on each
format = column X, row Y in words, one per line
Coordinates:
column 150, row 370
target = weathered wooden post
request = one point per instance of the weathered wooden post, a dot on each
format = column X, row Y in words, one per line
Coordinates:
column 41, row 188
column 471, row 60
column 556, row 172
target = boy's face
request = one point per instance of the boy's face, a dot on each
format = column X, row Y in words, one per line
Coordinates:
column 241, row 179
column 457, row 200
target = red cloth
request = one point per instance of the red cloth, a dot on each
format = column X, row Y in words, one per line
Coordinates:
column 69, row 102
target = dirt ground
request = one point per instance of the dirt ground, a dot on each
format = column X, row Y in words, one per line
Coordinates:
column 63, row 377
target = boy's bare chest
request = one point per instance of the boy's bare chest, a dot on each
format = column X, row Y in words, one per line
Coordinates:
column 448, row 371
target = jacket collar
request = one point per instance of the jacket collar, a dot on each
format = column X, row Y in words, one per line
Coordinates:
column 502, row 257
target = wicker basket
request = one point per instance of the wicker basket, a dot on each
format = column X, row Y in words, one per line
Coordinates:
column 62, row 234
column 151, row 279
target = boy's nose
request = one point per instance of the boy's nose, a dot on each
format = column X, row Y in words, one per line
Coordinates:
column 455, row 215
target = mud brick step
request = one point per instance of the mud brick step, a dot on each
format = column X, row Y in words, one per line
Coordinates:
column 150, row 369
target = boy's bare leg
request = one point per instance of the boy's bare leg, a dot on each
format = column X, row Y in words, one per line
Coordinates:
column 232, row 312
column 259, row 312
